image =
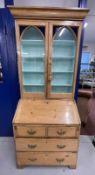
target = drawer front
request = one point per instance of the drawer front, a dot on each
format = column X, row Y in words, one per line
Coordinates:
column 46, row 158
column 62, row 131
column 29, row 131
column 25, row 144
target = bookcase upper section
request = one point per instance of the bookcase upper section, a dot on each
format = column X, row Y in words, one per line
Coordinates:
column 48, row 42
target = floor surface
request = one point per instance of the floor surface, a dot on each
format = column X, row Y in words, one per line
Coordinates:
column 85, row 164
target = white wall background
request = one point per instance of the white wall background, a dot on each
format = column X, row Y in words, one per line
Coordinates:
column 55, row 3
column 89, row 35
column 91, row 6
column 2, row 4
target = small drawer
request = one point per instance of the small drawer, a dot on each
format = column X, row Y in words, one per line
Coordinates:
column 62, row 131
column 29, row 131
column 25, row 144
column 46, row 158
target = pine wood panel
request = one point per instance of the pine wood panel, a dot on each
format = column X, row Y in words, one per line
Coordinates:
column 47, row 112
column 46, row 158
column 29, row 144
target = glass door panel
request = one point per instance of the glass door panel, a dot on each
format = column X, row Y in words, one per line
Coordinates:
column 63, row 58
column 33, row 59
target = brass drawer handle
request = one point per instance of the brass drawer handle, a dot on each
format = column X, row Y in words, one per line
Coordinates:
column 31, row 132
column 33, row 160
column 61, row 146
column 32, row 146
column 59, row 160
column 61, row 132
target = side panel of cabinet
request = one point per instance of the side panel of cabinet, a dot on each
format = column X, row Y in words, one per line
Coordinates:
column 64, row 39
column 32, row 51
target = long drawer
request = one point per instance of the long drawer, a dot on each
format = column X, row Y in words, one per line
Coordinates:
column 28, row 144
column 46, row 158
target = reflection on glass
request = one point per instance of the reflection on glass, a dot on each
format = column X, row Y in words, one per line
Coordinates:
column 32, row 53
column 63, row 56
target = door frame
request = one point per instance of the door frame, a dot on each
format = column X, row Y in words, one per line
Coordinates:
column 77, row 24
column 36, row 23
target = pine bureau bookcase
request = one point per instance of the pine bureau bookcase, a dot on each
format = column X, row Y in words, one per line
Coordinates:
column 46, row 123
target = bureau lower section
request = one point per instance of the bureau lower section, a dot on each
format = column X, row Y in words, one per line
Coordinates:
column 46, row 145
column 46, row 133
column 46, row 158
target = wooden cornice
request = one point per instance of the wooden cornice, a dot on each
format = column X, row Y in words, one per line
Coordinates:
column 48, row 13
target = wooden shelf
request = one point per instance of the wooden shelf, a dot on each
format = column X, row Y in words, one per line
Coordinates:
column 61, row 85
column 30, row 71
column 32, row 57
column 59, row 72
column 56, row 58
column 63, row 43
column 33, row 84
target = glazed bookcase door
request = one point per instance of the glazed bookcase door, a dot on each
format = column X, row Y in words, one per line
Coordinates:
column 33, row 58
column 62, row 61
